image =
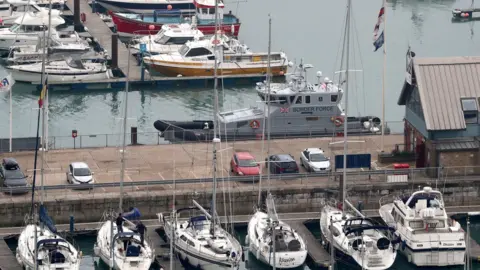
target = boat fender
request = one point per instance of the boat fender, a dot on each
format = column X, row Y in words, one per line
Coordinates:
column 247, row 240
column 254, row 124
column 337, row 120
column 83, row 17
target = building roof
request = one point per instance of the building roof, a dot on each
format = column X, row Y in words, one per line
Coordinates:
column 441, row 83
column 456, row 145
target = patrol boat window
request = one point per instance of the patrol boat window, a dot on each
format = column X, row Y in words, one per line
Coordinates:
column 282, row 100
column 307, row 99
column 299, row 100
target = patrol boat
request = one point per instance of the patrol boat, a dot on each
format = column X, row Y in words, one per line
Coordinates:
column 297, row 109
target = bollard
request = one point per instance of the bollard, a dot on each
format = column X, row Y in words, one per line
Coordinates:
column 76, row 16
column 94, row 6
column 133, row 138
column 72, row 224
column 154, row 16
column 114, row 50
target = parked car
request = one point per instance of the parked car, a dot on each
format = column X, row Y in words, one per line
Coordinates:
column 282, row 163
column 12, row 176
column 243, row 163
column 79, row 173
column 314, row 160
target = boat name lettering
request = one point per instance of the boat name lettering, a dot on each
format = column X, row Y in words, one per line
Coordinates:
column 448, row 244
column 286, row 260
column 313, row 109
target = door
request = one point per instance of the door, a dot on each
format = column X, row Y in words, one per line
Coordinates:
column 420, row 153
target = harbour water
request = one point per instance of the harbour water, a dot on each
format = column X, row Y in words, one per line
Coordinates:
column 90, row 262
column 309, row 30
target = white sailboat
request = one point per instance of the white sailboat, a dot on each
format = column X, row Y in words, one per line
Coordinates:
column 360, row 238
column 201, row 241
column 39, row 246
column 110, row 244
column 269, row 239
column 429, row 237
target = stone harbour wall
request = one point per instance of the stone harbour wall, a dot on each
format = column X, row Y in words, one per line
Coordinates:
column 89, row 208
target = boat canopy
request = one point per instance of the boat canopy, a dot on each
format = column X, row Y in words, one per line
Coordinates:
column 133, row 214
column 54, row 241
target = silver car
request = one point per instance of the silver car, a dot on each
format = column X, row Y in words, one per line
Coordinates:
column 79, row 173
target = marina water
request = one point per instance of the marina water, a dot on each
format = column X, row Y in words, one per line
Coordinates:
column 309, row 30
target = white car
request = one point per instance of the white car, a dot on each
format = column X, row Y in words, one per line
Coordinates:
column 314, row 160
column 79, row 173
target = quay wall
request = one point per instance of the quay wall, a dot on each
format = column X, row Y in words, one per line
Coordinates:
column 294, row 198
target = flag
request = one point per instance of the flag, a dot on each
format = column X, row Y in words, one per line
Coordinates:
column 42, row 94
column 7, row 83
column 378, row 40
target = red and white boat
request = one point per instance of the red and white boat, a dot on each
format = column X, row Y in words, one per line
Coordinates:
column 132, row 24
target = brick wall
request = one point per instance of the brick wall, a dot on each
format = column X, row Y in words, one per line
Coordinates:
column 463, row 160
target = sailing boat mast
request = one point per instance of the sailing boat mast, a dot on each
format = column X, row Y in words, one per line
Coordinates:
column 47, row 96
column 345, row 125
column 215, row 122
column 384, row 75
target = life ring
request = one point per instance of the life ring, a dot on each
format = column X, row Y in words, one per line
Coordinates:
column 254, row 124
column 338, row 120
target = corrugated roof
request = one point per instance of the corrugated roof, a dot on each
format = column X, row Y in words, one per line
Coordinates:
column 441, row 83
column 457, row 145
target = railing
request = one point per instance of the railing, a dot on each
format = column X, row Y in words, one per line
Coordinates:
column 145, row 138
column 197, row 186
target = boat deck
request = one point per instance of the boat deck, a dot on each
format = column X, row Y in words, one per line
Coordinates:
column 7, row 259
column 102, row 33
column 317, row 253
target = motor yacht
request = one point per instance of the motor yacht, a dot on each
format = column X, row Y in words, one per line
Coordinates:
column 66, row 70
column 429, row 237
column 27, row 29
column 196, row 58
column 16, row 9
column 168, row 40
column 57, row 50
column 290, row 249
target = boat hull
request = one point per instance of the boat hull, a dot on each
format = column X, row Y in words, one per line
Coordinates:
column 433, row 257
column 144, row 6
column 208, row 70
column 31, row 77
column 127, row 27
column 193, row 131
column 283, row 260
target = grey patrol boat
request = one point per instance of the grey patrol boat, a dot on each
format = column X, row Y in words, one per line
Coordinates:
column 297, row 109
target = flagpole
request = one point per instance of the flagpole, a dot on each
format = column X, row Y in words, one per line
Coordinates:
column 384, row 73
column 11, row 120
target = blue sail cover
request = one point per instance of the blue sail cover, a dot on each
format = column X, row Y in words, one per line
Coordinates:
column 46, row 220
column 134, row 214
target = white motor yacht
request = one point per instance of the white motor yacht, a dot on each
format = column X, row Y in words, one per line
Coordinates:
column 57, row 50
column 290, row 249
column 27, row 30
column 201, row 243
column 65, row 70
column 168, row 40
column 53, row 251
column 429, row 237
column 16, row 9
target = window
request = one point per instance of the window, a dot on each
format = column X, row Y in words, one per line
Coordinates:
column 198, row 52
column 242, row 123
column 183, row 238
column 191, row 243
column 470, row 110
column 320, row 99
column 299, row 100
column 292, row 98
column 333, row 98
column 307, row 99
column 282, row 100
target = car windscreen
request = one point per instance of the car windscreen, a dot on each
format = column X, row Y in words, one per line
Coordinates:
column 247, row 163
column 82, row 172
column 317, row 157
column 14, row 174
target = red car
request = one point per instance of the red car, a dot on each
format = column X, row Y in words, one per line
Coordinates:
column 243, row 163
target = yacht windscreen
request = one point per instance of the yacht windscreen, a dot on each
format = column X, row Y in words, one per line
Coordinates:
column 75, row 63
column 183, row 50
column 14, row 28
